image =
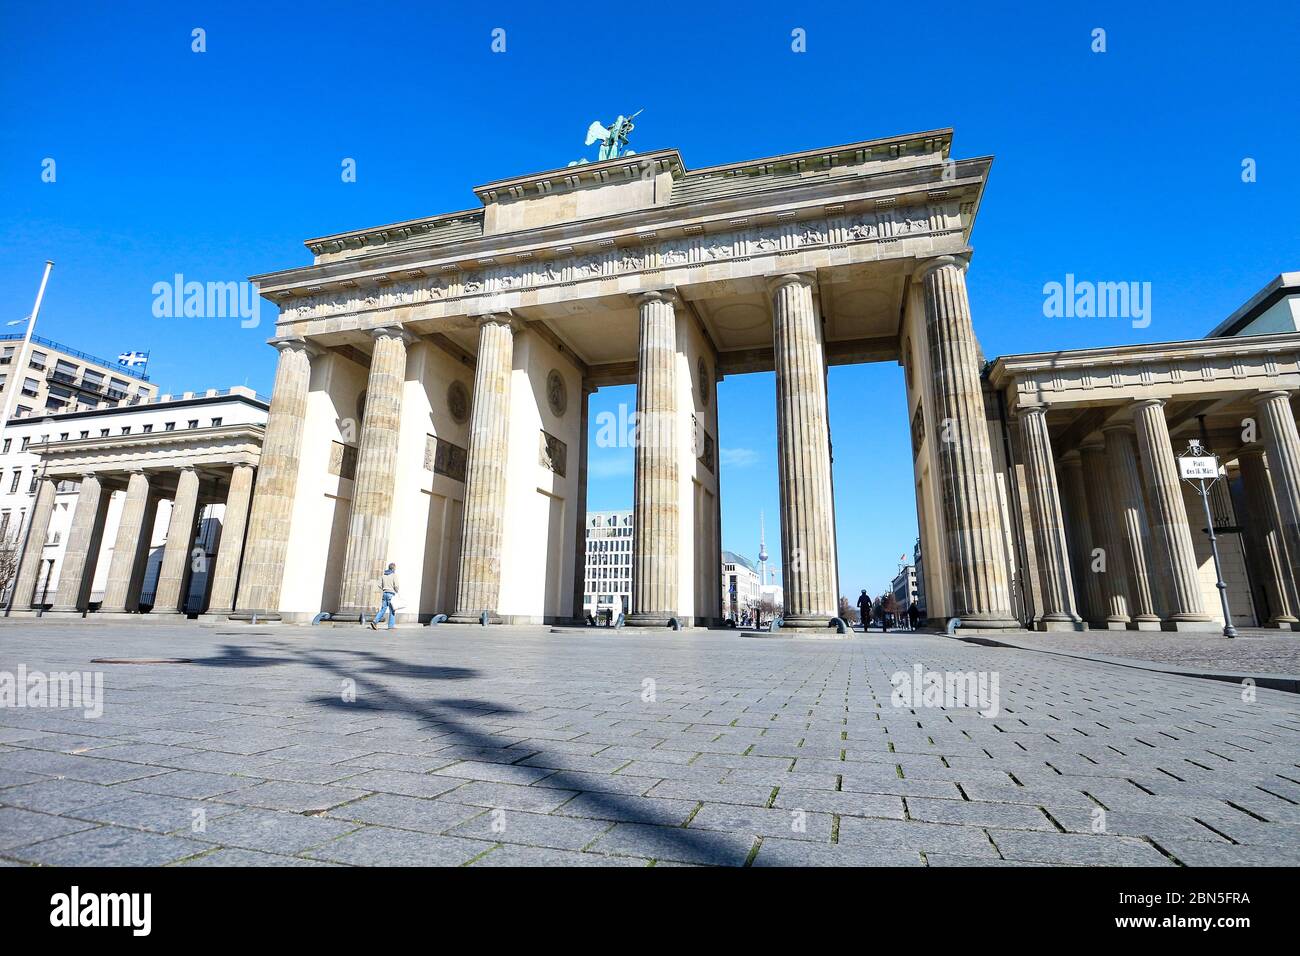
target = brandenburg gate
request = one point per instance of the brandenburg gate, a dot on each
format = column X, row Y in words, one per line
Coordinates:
column 430, row 401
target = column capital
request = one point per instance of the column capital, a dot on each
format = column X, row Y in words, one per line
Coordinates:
column 1072, row 459
column 1254, row 450
column 1122, row 426
column 1148, row 403
column 1027, row 409
column 806, row 279
column 657, row 295
column 1270, row 395
column 1093, row 443
column 926, row 266
column 391, row 332
column 504, row 317
column 296, row 343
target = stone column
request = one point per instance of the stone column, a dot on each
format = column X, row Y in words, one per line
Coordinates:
column 372, row 491
column 1058, row 612
column 1282, row 445
column 479, row 584
column 976, row 556
column 174, row 572
column 277, row 482
column 76, row 577
column 39, row 528
column 130, row 542
column 580, row 507
column 1103, row 517
column 1182, row 585
column 1087, row 582
column 655, row 486
column 809, row 570
column 1266, row 538
column 234, row 522
column 1126, row 487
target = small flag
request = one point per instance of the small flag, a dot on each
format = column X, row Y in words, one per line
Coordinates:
column 132, row 359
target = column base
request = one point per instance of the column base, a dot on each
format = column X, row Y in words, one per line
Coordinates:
column 255, row 617
column 67, row 612
column 650, row 619
column 1059, row 624
column 1280, row 623
column 1110, row 624
column 981, row 622
column 1191, row 626
column 353, row 615
column 473, row 617
column 1144, row 622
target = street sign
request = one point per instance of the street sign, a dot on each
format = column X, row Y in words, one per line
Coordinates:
column 1194, row 467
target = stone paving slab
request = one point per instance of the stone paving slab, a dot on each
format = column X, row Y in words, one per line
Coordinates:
column 519, row 747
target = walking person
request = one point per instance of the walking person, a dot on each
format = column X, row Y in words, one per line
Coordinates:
column 913, row 614
column 864, row 609
column 388, row 588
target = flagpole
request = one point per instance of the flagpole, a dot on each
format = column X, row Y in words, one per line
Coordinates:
column 17, row 367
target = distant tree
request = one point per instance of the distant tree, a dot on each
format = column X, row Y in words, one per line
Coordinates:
column 847, row 614
column 9, row 546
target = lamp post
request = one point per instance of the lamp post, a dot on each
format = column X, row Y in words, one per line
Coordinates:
column 1200, row 469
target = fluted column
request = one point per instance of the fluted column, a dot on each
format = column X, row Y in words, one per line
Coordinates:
column 809, row 571
column 1103, row 517
column 76, row 577
column 28, row 571
column 976, row 555
column 169, row 598
column 372, row 491
column 1266, row 538
column 1282, row 445
column 1126, row 486
column 479, row 585
column 1078, row 521
column 234, row 524
column 120, row 593
column 580, row 508
column 1180, row 570
column 655, row 487
column 277, row 482
column 1049, row 526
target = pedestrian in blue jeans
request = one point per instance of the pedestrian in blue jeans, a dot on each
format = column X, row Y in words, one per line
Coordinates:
column 388, row 588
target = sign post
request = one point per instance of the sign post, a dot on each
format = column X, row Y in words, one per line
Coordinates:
column 1200, row 469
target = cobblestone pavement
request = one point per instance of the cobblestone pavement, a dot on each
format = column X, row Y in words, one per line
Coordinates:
column 1254, row 650
column 448, row 746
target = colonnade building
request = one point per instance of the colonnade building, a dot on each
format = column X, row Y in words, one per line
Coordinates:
column 431, row 395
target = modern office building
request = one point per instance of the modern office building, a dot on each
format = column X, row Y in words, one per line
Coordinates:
column 608, row 577
column 904, row 587
column 53, row 378
column 741, row 587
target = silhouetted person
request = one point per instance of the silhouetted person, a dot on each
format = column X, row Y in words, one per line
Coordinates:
column 913, row 614
column 864, row 609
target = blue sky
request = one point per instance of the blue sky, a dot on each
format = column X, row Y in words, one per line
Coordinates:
column 1124, row 165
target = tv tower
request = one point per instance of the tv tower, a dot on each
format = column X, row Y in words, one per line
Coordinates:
column 762, row 551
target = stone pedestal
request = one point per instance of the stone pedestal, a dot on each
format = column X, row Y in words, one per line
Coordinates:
column 1058, row 611
column 655, row 494
column 1126, row 488
column 121, row 593
column 39, row 529
column 169, row 598
column 234, row 524
column 1282, row 445
column 372, row 491
column 1266, row 539
column 976, row 556
column 479, row 584
column 277, row 482
column 1180, row 571
column 1103, row 517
